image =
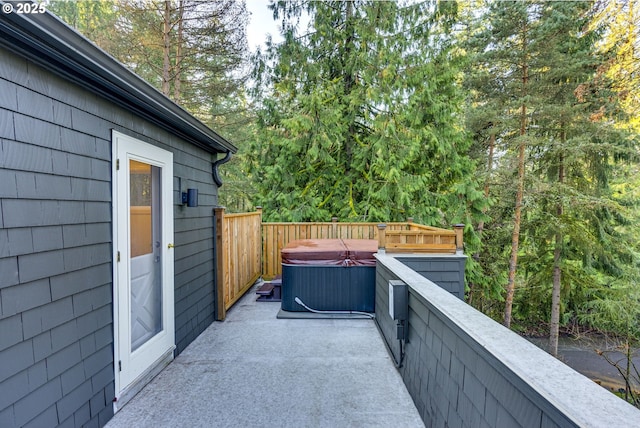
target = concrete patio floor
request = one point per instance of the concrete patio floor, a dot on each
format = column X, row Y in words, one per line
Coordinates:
column 254, row 370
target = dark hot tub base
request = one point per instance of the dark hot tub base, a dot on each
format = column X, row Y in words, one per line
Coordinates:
column 329, row 288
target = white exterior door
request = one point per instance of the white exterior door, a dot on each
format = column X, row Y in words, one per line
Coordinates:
column 143, row 267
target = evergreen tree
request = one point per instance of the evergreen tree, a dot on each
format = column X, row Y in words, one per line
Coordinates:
column 505, row 54
column 95, row 19
column 569, row 234
column 621, row 19
column 194, row 52
column 361, row 119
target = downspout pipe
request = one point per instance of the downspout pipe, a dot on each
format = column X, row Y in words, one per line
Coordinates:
column 218, row 181
column 216, row 164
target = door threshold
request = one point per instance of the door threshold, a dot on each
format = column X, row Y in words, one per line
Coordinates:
column 139, row 383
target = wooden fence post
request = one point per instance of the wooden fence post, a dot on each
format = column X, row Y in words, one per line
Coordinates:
column 459, row 229
column 260, row 240
column 221, row 311
column 382, row 237
column 409, row 223
column 334, row 227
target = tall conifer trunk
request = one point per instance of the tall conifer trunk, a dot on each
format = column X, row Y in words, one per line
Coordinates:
column 178, row 65
column 166, row 64
column 349, row 79
column 492, row 144
column 515, row 237
column 557, row 269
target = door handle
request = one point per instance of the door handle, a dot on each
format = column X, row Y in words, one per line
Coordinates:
column 171, row 246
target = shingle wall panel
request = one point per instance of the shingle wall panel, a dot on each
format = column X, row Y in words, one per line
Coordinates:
column 40, row 80
column 13, row 68
column 15, row 359
column 9, row 98
column 90, row 124
column 13, row 389
column 9, row 269
column 7, row 125
column 64, row 335
column 7, row 418
column 63, row 360
column 8, row 186
column 100, row 170
column 87, row 256
column 30, row 213
column 20, row 241
column 33, row 104
column 4, row 243
column 61, row 114
column 45, row 419
column 41, row 319
column 37, row 375
column 10, row 332
column 37, row 402
column 37, row 132
column 40, row 265
column 71, row 165
column 42, row 347
column 23, row 297
column 55, row 221
column 82, row 415
column 97, row 212
column 81, row 280
column 72, row 401
column 47, row 238
column 27, row 157
column 90, row 190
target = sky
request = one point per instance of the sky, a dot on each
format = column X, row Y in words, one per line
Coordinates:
column 261, row 23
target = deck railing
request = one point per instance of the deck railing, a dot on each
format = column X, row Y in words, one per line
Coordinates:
column 417, row 238
column 393, row 237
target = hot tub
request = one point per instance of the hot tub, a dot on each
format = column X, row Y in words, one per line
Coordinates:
column 329, row 274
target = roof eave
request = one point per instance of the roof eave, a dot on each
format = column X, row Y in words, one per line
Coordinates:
column 49, row 42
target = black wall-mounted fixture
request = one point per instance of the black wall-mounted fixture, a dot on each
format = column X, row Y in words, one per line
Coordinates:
column 190, row 197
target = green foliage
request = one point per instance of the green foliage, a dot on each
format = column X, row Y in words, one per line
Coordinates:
column 95, row 19
column 194, row 52
column 382, row 110
column 574, row 151
column 361, row 116
column 614, row 308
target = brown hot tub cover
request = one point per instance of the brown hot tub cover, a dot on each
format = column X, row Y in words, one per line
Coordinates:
column 361, row 251
column 336, row 252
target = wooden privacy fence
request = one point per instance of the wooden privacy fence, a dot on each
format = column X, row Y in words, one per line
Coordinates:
column 392, row 237
column 238, row 257
column 246, row 248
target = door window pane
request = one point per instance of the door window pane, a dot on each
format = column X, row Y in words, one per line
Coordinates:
column 140, row 191
column 145, row 257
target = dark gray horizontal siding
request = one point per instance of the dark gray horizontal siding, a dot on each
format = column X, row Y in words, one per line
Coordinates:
column 446, row 271
column 452, row 382
column 194, row 255
column 56, row 313
column 464, row 369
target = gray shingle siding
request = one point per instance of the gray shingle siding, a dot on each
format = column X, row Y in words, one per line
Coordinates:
column 451, row 379
column 446, row 271
column 464, row 369
column 56, row 314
